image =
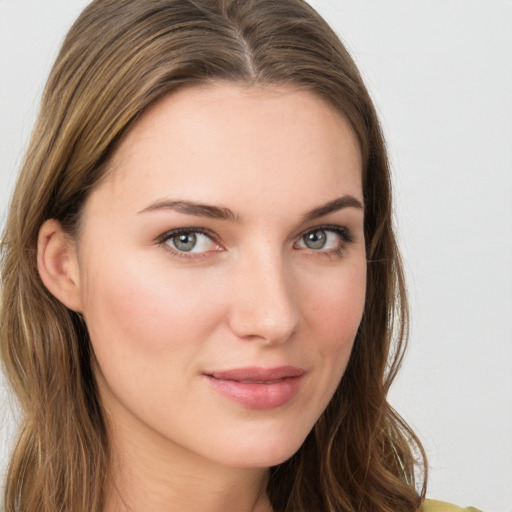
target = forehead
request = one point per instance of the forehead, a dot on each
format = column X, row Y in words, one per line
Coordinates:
column 222, row 142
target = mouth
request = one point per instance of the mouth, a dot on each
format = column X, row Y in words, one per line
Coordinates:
column 258, row 388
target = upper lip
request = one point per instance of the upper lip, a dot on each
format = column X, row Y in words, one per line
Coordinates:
column 257, row 374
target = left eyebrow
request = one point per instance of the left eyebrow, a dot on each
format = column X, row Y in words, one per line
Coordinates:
column 333, row 206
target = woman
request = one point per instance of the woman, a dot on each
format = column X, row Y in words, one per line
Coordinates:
column 203, row 302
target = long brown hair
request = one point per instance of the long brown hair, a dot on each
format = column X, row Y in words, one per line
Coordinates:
column 119, row 57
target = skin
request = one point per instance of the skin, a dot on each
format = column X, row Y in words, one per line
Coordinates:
column 254, row 293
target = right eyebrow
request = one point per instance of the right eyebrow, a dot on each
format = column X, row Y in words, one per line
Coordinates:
column 193, row 208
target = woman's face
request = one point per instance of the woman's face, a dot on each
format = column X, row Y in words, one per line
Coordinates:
column 222, row 271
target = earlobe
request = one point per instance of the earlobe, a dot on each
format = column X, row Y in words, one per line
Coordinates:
column 57, row 264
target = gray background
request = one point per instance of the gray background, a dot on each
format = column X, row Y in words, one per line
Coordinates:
column 440, row 72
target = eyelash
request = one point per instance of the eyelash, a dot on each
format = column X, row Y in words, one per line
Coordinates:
column 162, row 240
column 346, row 238
column 344, row 234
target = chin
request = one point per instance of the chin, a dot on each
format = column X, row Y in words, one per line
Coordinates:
column 261, row 453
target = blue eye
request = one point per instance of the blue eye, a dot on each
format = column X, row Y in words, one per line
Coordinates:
column 325, row 239
column 190, row 241
column 315, row 239
column 184, row 242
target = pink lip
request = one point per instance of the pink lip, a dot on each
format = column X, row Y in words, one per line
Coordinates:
column 258, row 388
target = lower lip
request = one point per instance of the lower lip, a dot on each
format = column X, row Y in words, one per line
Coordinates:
column 256, row 395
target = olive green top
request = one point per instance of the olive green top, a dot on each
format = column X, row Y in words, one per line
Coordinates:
column 441, row 506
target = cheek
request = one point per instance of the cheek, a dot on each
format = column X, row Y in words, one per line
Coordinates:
column 140, row 311
column 334, row 315
column 148, row 327
column 336, row 308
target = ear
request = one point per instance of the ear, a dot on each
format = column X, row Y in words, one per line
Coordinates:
column 57, row 263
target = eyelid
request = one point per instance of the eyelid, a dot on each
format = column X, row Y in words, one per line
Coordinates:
column 345, row 234
column 178, row 231
column 343, row 231
column 191, row 256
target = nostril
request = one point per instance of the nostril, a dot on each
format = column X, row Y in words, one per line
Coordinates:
column 271, row 326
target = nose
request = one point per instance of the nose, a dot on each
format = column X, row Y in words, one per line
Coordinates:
column 264, row 305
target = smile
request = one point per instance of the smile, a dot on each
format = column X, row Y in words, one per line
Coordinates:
column 258, row 388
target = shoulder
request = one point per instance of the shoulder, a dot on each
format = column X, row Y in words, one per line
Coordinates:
column 441, row 506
